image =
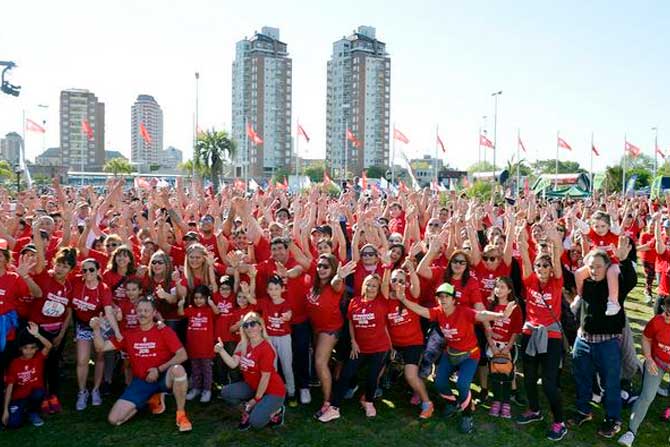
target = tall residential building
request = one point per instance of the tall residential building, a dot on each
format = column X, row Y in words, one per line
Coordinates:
column 10, row 147
column 358, row 97
column 146, row 111
column 262, row 74
column 170, row 158
column 79, row 151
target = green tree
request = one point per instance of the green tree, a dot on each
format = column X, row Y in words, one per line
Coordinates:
column 482, row 166
column 549, row 167
column 524, row 169
column 41, row 179
column 118, row 166
column 213, row 148
column 315, row 172
column 6, row 171
column 376, row 171
column 481, row 190
column 187, row 167
column 280, row 174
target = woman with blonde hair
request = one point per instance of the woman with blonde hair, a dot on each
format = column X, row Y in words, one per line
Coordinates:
column 262, row 387
column 198, row 269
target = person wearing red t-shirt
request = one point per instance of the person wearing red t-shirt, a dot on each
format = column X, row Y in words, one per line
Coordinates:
column 200, row 318
column 370, row 343
column 226, row 303
column 656, row 350
column 541, row 342
column 262, row 388
column 24, row 380
column 277, row 314
column 323, row 308
column 501, row 342
column 90, row 298
column 457, row 323
column 404, row 328
column 155, row 355
column 646, row 248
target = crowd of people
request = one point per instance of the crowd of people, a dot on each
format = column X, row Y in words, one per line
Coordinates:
column 255, row 297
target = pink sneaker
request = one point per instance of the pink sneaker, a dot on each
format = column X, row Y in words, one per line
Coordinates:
column 415, row 400
column 322, row 410
column 329, row 414
column 370, row 410
column 495, row 409
column 506, row 411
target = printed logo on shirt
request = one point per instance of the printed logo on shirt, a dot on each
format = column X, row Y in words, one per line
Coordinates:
column 246, row 362
column 663, row 347
column 83, row 304
column 449, row 332
column 198, row 322
column 144, row 348
column 398, row 317
column 26, row 376
column 225, row 307
column 364, row 320
column 539, row 299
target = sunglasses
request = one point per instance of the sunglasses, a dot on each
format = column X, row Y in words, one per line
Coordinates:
column 489, row 258
column 249, row 324
column 543, row 265
column 322, row 266
column 111, row 245
column 369, row 253
column 434, row 225
column 398, row 280
column 157, row 261
column 460, row 261
column 89, row 270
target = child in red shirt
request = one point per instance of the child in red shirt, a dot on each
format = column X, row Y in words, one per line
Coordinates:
column 200, row 317
column 24, row 380
column 601, row 236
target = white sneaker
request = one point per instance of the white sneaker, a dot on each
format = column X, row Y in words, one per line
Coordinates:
column 370, row 410
column 662, row 391
column 305, row 396
column 96, row 399
column 330, row 414
column 82, row 400
column 192, row 394
column 648, row 299
column 627, row 439
column 205, row 397
column 612, row 309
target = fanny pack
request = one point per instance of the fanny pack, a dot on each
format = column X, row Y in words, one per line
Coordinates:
column 501, row 364
column 457, row 357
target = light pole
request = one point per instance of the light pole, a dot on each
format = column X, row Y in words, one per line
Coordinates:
column 195, row 133
column 655, row 130
column 495, row 129
column 18, row 171
column 345, row 112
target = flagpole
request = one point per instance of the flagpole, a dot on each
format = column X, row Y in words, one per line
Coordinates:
column 518, row 161
column 346, row 149
column 655, row 129
column 558, row 136
column 437, row 133
column 591, row 168
column 393, row 157
column 195, row 130
column 245, row 166
column 297, row 145
column 623, row 180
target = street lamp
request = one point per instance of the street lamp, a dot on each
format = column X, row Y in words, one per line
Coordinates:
column 655, row 130
column 18, row 171
column 495, row 129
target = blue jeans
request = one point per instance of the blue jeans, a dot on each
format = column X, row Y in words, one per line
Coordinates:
column 19, row 409
column 466, row 371
column 605, row 359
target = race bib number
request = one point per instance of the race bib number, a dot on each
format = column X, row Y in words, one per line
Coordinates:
column 52, row 309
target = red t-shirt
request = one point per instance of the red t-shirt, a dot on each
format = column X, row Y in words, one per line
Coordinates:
column 262, row 250
column 226, row 307
column 658, row 331
column 27, row 375
column 505, row 328
column 487, row 278
column 404, row 326
column 178, row 256
column 210, row 245
column 324, row 310
column 12, row 287
column 368, row 318
column 361, row 272
column 148, row 349
column 117, row 284
column 273, row 316
column 608, row 242
column 257, row 360
column 537, row 312
column 200, row 332
column 397, row 224
column 235, row 317
column 50, row 310
column 295, row 287
column 88, row 303
column 129, row 320
column 458, row 328
column 649, row 255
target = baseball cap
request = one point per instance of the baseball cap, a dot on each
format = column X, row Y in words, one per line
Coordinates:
column 29, row 247
column 192, row 236
column 207, row 218
column 323, row 229
column 447, row 288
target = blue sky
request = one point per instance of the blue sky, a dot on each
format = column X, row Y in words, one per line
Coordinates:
column 574, row 66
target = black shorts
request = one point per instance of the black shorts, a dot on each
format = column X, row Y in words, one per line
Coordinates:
column 410, row 355
column 482, row 343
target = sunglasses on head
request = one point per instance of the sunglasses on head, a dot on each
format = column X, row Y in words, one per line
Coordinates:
column 543, row 265
column 111, row 245
column 249, row 324
column 322, row 266
column 89, row 269
column 369, row 253
column 398, row 280
column 489, row 258
column 157, row 261
column 459, row 261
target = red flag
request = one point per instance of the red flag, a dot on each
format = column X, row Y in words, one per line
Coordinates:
column 441, row 144
column 32, row 126
column 397, row 135
column 253, row 136
column 633, row 150
column 351, row 137
column 364, row 180
column 523, row 148
column 145, row 133
column 87, row 129
column 301, row 132
column 282, row 185
column 199, row 131
column 562, row 143
column 595, row 151
column 659, row 151
column 483, row 141
column 285, row 183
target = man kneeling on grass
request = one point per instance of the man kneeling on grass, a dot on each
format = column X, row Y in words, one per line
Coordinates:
column 155, row 355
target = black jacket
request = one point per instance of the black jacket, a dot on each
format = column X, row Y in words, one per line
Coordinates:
column 594, row 302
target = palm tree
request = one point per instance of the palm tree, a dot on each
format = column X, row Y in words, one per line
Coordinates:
column 6, row 170
column 187, row 168
column 118, row 166
column 212, row 148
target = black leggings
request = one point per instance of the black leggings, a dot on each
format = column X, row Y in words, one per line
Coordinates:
column 52, row 369
column 375, row 363
column 550, row 363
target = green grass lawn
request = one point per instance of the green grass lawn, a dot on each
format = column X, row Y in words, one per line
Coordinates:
column 215, row 424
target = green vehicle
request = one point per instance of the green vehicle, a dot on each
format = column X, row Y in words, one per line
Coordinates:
column 659, row 186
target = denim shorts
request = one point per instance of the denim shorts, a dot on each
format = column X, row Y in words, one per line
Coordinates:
column 139, row 391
